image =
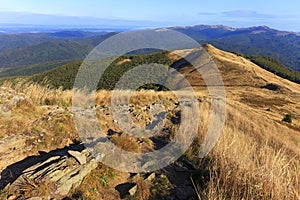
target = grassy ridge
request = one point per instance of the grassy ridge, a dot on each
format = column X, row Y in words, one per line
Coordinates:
column 264, row 44
column 276, row 67
column 273, row 65
column 65, row 75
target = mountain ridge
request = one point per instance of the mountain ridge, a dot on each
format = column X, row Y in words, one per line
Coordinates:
column 255, row 41
column 243, row 74
column 232, row 29
column 53, row 47
column 44, row 132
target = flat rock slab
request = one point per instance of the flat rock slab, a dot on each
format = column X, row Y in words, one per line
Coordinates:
column 66, row 171
column 78, row 156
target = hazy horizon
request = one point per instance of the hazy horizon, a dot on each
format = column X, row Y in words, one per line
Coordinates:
column 36, row 22
column 137, row 14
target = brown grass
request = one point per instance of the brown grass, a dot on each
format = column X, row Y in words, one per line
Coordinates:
column 246, row 164
column 126, row 142
column 35, row 188
column 256, row 157
column 40, row 95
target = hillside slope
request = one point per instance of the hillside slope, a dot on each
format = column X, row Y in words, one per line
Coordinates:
column 224, row 60
column 20, row 50
column 261, row 40
column 256, row 157
column 53, row 50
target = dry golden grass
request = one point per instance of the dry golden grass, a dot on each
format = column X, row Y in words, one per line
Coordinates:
column 249, row 162
column 143, row 188
column 237, row 71
column 35, row 188
column 126, row 142
column 40, row 95
column 256, row 157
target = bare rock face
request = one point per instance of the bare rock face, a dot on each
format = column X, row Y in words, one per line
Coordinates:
column 74, row 177
column 64, row 168
column 78, row 156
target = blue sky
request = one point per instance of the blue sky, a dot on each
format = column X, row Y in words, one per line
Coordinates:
column 283, row 15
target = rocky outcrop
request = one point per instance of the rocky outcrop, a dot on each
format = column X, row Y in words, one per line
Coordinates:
column 65, row 168
column 78, row 156
column 74, row 177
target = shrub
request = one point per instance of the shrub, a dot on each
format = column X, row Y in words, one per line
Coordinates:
column 47, row 102
column 287, row 118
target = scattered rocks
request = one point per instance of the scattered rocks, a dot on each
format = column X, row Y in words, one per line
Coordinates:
column 14, row 148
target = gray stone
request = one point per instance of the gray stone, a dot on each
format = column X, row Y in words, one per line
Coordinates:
column 59, row 170
column 75, row 177
column 41, row 164
column 78, row 156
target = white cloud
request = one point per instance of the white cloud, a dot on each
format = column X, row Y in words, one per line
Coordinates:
column 248, row 14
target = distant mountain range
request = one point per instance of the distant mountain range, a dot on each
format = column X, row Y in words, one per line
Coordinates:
column 256, row 41
column 38, row 22
column 38, row 49
column 32, row 49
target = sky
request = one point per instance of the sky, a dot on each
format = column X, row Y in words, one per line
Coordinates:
column 283, row 15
